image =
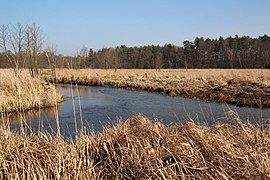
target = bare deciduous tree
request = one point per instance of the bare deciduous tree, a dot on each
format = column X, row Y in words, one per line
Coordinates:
column 13, row 44
column 17, row 41
column 34, row 42
column 21, row 44
column 4, row 39
column 83, row 56
column 116, row 59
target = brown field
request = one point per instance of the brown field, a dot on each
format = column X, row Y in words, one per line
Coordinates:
column 20, row 93
column 141, row 149
column 243, row 87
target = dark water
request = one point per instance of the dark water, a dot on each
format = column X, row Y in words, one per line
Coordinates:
column 100, row 105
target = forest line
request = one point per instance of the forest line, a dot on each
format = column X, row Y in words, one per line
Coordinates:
column 21, row 46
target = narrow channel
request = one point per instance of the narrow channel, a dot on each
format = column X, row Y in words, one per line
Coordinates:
column 99, row 106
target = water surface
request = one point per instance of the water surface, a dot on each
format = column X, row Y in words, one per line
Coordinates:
column 97, row 106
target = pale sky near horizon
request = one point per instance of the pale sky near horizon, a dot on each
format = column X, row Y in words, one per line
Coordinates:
column 70, row 24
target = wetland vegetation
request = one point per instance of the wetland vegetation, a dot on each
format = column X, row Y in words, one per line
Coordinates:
column 242, row 87
column 138, row 147
column 22, row 92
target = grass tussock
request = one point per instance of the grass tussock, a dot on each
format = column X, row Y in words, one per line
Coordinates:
column 22, row 92
column 248, row 87
column 141, row 149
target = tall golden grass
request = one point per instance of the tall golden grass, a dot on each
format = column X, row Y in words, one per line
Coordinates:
column 141, row 149
column 22, row 92
column 137, row 148
column 248, row 87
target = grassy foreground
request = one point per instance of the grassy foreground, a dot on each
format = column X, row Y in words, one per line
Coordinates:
column 22, row 92
column 243, row 87
column 141, row 149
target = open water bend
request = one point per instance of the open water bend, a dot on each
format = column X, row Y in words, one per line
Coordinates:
column 99, row 105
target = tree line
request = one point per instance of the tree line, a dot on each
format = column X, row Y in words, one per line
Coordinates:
column 232, row 52
column 21, row 46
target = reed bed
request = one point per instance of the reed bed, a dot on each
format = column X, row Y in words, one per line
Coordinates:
column 248, row 87
column 139, row 148
column 22, row 92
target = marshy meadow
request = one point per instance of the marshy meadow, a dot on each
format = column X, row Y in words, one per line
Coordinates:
column 138, row 147
column 136, row 90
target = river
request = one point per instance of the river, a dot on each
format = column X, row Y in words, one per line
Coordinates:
column 99, row 106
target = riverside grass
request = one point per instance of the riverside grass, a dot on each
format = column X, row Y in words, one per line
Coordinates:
column 143, row 149
column 242, row 87
column 139, row 148
column 22, row 92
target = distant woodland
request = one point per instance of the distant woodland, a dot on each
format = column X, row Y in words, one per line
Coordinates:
column 22, row 47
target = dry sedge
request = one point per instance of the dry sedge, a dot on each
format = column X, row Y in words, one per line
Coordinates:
column 22, row 92
column 248, row 87
column 141, row 149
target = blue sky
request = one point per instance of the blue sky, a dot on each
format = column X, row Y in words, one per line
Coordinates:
column 70, row 24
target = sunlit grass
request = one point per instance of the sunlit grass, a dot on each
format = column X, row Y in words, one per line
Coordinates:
column 141, row 149
column 137, row 148
column 22, row 92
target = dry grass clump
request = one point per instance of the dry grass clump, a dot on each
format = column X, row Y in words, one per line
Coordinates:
column 249, row 87
column 22, row 92
column 141, row 149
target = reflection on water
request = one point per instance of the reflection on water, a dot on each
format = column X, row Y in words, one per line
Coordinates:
column 102, row 104
column 32, row 120
column 34, row 114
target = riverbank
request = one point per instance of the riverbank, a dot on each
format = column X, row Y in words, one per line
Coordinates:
column 242, row 87
column 141, row 149
column 21, row 93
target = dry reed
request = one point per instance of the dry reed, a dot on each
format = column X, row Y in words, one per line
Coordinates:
column 22, row 92
column 137, row 148
column 141, row 149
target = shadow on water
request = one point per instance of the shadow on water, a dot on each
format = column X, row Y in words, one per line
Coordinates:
column 100, row 105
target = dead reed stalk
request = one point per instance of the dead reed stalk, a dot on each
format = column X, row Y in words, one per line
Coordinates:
column 22, row 92
column 141, row 149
